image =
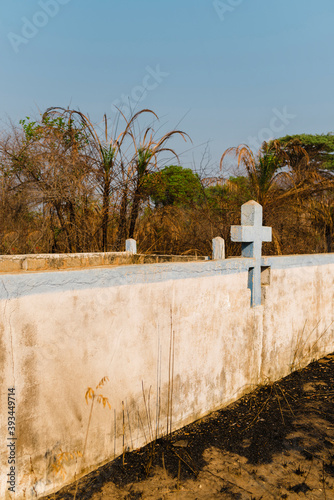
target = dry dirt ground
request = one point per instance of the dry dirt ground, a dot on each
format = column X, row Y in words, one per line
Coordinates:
column 277, row 442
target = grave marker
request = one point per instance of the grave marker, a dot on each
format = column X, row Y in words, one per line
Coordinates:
column 251, row 234
column 131, row 246
column 218, row 248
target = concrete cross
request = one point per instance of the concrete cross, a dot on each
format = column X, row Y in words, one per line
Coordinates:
column 251, row 234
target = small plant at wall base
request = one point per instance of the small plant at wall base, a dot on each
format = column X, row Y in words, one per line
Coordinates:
column 99, row 398
column 60, row 459
column 298, row 354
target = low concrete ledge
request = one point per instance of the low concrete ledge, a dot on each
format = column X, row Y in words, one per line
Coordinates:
column 44, row 262
column 50, row 262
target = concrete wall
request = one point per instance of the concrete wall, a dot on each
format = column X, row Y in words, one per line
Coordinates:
column 298, row 312
column 176, row 340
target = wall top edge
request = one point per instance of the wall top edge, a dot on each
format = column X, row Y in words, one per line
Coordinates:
column 13, row 285
column 20, row 284
column 89, row 254
column 304, row 260
column 58, row 255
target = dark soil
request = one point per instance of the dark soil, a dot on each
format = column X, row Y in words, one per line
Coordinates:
column 277, row 442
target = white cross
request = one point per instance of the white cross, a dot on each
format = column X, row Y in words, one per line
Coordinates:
column 251, row 234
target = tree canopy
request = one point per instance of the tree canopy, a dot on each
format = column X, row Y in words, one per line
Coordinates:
column 174, row 185
column 319, row 147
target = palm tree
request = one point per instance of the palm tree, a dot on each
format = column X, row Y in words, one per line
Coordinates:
column 279, row 173
column 321, row 213
column 104, row 155
column 262, row 170
column 114, row 168
column 280, row 179
column 143, row 161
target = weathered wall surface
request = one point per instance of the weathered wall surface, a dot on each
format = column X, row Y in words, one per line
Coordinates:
column 176, row 341
column 298, row 314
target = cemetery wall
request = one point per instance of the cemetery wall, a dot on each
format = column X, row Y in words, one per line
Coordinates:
column 176, row 340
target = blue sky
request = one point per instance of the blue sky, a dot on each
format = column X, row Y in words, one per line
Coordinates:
column 233, row 71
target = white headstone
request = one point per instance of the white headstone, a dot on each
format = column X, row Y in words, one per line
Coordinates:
column 218, row 248
column 131, row 246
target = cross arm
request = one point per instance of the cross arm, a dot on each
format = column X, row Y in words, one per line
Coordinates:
column 266, row 233
column 248, row 234
column 242, row 234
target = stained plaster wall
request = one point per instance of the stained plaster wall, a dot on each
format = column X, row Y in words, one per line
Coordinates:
column 176, row 341
column 298, row 314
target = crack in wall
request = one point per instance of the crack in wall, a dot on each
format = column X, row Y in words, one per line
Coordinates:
column 6, row 301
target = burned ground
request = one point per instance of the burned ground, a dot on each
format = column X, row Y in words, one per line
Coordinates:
column 276, row 442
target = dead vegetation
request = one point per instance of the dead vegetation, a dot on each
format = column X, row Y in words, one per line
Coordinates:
column 68, row 185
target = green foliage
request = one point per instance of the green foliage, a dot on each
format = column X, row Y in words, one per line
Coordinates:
column 176, row 186
column 35, row 131
column 31, row 129
column 144, row 157
column 108, row 157
column 236, row 190
column 241, row 183
column 267, row 165
column 320, row 148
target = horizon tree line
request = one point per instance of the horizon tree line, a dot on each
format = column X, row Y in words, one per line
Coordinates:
column 67, row 186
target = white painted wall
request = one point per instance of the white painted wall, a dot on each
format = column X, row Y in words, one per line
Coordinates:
column 182, row 328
